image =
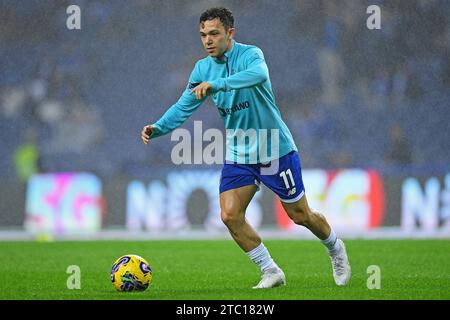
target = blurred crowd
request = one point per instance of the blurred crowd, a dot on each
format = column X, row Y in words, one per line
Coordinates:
column 73, row 100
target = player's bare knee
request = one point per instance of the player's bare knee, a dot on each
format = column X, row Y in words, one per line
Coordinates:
column 230, row 218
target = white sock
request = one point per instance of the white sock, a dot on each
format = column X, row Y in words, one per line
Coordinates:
column 331, row 242
column 260, row 255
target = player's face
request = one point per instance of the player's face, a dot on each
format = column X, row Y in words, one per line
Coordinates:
column 214, row 37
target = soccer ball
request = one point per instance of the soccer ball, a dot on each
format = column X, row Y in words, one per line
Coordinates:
column 131, row 273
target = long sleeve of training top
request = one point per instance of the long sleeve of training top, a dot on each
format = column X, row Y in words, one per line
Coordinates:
column 178, row 113
column 256, row 72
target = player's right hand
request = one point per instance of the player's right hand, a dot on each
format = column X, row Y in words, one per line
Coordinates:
column 146, row 133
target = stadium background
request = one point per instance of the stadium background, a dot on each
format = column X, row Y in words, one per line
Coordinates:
column 369, row 110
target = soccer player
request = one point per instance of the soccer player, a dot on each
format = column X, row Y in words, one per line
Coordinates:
column 236, row 77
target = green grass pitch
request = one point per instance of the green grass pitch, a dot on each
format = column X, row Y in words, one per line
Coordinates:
column 219, row 270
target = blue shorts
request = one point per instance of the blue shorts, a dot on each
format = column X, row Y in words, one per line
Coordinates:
column 283, row 177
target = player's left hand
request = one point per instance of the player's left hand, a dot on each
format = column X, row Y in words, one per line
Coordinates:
column 202, row 90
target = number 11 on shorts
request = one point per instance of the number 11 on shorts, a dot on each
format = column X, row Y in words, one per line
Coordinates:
column 284, row 175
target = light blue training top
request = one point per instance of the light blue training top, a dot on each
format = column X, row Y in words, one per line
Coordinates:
column 242, row 93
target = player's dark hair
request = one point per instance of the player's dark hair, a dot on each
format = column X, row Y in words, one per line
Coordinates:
column 225, row 16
